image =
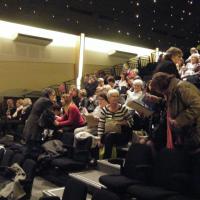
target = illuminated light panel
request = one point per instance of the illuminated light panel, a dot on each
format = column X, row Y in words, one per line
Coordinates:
column 10, row 30
column 103, row 46
column 81, row 58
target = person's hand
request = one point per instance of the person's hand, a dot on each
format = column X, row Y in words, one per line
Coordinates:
column 99, row 144
column 56, row 123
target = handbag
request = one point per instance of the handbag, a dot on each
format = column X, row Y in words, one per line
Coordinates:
column 111, row 126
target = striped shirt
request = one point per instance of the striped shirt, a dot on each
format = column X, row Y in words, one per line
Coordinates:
column 121, row 114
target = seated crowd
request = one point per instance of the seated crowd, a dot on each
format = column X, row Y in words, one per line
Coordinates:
column 101, row 111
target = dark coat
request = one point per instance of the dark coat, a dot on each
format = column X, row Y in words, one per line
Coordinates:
column 32, row 130
column 167, row 66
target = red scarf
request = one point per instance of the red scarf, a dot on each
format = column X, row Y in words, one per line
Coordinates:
column 170, row 144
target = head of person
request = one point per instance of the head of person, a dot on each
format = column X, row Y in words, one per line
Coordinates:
column 10, row 103
column 50, row 94
column 92, row 79
column 66, row 99
column 193, row 50
column 126, row 66
column 174, row 54
column 86, row 78
column 113, row 96
column 19, row 103
column 137, row 85
column 100, row 82
column 111, row 81
column 123, row 76
column 133, row 73
column 194, row 59
column 27, row 102
column 102, row 99
column 160, row 82
column 73, row 91
column 82, row 93
column 56, row 109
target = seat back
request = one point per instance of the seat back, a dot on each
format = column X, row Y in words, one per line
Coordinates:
column 138, row 155
column 105, row 195
column 17, row 158
column 75, row 190
column 170, row 165
column 2, row 151
column 7, row 157
column 82, row 151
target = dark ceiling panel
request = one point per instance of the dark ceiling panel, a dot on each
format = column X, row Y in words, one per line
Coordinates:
column 150, row 23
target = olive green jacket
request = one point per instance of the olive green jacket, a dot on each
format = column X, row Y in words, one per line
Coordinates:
column 184, row 107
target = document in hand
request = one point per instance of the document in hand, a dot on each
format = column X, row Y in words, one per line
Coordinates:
column 141, row 109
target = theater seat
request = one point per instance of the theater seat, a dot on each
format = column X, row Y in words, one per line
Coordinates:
column 149, row 193
column 78, row 159
column 117, row 183
column 169, row 169
column 134, row 170
column 68, row 164
column 104, row 195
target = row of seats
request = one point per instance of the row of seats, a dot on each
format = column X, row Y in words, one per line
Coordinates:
column 9, row 157
column 169, row 174
column 75, row 190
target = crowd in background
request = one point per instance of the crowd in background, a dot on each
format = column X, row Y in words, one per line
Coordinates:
column 105, row 100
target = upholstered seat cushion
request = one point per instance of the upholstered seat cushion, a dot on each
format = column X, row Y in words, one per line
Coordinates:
column 68, row 164
column 117, row 183
column 149, row 192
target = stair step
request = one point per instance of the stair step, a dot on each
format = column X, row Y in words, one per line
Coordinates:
column 58, row 192
column 90, row 177
column 107, row 167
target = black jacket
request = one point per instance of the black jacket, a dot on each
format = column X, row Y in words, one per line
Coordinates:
column 32, row 130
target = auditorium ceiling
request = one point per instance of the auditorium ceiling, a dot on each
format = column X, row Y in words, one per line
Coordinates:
column 148, row 23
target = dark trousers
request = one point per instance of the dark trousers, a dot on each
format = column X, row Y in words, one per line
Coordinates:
column 111, row 139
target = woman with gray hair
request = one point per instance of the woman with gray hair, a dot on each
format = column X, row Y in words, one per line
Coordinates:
column 137, row 93
column 114, row 124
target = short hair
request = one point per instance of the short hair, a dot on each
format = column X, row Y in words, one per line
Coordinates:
column 100, row 80
column 83, row 92
column 56, row 107
column 19, row 101
column 103, row 96
column 111, row 79
column 160, row 81
column 193, row 50
column 111, row 92
column 172, row 51
column 27, row 101
column 47, row 92
column 195, row 56
column 138, row 82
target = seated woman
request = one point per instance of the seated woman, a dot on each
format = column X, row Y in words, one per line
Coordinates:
column 137, row 94
column 114, row 124
column 91, row 129
column 71, row 119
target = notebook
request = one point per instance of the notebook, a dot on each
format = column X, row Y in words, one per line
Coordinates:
column 141, row 109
